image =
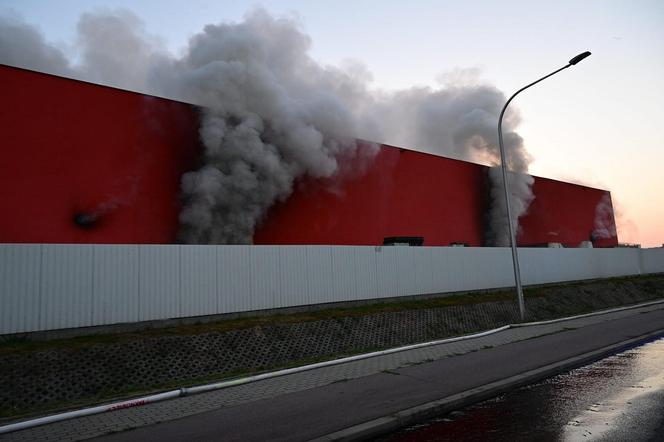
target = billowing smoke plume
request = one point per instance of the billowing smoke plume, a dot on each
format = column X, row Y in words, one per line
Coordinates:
column 519, row 186
column 24, row 46
column 268, row 120
column 460, row 120
column 273, row 114
column 605, row 226
column 111, row 48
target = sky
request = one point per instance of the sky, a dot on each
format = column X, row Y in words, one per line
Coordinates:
column 598, row 123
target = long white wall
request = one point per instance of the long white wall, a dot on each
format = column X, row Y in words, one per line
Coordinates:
column 54, row 286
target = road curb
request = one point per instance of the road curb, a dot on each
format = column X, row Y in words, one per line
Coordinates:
column 420, row 413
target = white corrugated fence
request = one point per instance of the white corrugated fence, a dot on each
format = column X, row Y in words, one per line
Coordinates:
column 56, row 286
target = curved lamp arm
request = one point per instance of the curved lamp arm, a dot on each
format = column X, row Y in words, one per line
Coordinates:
column 515, row 256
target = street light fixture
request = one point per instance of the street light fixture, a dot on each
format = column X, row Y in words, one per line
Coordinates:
column 515, row 256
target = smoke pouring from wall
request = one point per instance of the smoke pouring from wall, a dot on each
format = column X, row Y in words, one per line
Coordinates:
column 610, row 217
column 604, row 225
column 273, row 114
column 519, row 186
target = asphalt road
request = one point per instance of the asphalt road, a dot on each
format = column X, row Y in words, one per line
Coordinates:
column 316, row 412
column 618, row 398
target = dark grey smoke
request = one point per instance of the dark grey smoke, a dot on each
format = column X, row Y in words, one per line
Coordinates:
column 273, row 114
column 268, row 120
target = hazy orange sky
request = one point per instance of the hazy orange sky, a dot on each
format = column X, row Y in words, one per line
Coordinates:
column 598, row 123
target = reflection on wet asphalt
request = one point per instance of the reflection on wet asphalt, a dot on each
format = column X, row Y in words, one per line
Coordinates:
column 620, row 398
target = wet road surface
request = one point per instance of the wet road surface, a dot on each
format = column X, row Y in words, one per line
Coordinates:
column 620, row 398
column 305, row 414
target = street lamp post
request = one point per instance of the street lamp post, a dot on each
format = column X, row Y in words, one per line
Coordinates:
column 515, row 256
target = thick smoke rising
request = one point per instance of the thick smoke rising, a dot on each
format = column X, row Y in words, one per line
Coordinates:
column 269, row 118
column 273, row 114
column 460, row 120
column 604, row 219
column 114, row 49
column 521, row 195
column 111, row 48
column 24, row 46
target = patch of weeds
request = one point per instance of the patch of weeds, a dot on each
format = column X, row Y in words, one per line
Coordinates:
column 14, row 341
column 23, row 343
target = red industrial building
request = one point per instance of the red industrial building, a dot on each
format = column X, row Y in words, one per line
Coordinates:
column 71, row 148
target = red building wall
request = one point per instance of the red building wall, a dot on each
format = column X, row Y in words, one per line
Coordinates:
column 564, row 213
column 72, row 149
column 402, row 193
column 407, row 193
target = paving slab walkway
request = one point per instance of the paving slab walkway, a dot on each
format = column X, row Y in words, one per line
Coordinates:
column 318, row 402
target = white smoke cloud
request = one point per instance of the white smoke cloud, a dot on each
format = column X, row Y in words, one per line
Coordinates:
column 24, row 46
column 271, row 113
column 605, row 226
column 115, row 49
column 460, row 120
column 519, row 186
